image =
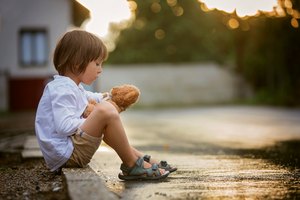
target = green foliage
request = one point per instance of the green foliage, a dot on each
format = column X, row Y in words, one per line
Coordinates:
column 191, row 37
column 271, row 61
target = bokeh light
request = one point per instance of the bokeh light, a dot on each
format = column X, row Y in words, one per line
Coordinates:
column 122, row 14
column 242, row 8
column 247, row 8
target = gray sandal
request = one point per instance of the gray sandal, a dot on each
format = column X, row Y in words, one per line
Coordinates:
column 162, row 164
column 138, row 172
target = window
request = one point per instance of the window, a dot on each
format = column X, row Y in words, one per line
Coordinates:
column 33, row 47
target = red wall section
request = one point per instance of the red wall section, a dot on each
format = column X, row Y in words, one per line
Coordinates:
column 25, row 93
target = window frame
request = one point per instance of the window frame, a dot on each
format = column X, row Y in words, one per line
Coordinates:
column 33, row 32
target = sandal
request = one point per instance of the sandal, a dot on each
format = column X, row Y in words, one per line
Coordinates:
column 138, row 172
column 162, row 164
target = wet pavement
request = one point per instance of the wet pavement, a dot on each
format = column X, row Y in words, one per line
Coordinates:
column 222, row 152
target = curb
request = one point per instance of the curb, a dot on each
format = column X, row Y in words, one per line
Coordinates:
column 31, row 148
column 82, row 183
column 86, row 184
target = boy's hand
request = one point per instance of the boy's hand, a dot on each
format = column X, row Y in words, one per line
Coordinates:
column 106, row 96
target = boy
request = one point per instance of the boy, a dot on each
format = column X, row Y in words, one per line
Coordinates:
column 67, row 139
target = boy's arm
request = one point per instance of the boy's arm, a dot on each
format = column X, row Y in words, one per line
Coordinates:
column 97, row 96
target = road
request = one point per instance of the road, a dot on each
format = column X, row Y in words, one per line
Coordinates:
column 225, row 152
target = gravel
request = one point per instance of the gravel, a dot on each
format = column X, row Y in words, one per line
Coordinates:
column 25, row 178
column 29, row 179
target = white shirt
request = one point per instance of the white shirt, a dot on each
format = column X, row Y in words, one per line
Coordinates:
column 58, row 116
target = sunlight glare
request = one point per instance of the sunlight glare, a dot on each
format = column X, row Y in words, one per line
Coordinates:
column 104, row 148
column 242, row 7
column 104, row 12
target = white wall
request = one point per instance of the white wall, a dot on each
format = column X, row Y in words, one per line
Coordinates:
column 168, row 84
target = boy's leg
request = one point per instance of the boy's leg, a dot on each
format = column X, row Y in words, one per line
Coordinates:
column 140, row 154
column 105, row 119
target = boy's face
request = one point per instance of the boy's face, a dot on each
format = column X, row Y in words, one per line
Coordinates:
column 92, row 72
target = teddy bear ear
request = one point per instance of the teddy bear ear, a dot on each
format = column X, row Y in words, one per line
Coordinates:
column 113, row 89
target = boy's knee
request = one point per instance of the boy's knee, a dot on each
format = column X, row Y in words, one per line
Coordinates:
column 106, row 109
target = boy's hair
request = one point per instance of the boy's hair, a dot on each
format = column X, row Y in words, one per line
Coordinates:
column 76, row 49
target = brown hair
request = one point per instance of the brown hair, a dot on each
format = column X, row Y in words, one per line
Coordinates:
column 76, row 49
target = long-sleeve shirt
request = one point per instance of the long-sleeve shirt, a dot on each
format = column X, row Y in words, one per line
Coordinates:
column 58, row 116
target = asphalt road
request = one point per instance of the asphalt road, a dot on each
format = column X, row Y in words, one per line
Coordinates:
column 222, row 152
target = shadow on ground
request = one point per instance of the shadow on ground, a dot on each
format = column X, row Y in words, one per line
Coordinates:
column 285, row 153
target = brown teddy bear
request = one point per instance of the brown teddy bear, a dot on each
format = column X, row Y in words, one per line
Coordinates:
column 121, row 97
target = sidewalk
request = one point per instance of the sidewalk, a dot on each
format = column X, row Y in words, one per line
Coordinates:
column 222, row 152
column 18, row 142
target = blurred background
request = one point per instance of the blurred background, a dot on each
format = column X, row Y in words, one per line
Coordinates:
column 199, row 65
column 178, row 52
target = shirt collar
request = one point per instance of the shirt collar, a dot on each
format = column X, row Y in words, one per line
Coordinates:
column 69, row 80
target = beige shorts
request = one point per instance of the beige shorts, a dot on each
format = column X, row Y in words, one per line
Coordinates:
column 85, row 147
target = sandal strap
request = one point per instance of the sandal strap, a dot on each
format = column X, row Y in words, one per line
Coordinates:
column 164, row 163
column 155, row 170
column 139, row 162
column 147, row 158
column 139, row 170
column 125, row 169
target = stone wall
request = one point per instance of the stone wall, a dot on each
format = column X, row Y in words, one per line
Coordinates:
column 167, row 84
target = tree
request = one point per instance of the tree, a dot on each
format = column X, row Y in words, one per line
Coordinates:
column 271, row 60
column 181, row 32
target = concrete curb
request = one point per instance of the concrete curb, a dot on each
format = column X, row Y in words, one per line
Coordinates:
column 31, row 148
column 82, row 183
column 86, row 184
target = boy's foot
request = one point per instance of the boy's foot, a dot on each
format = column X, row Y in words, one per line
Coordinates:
column 143, row 171
column 162, row 164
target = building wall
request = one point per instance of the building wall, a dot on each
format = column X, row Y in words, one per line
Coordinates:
column 53, row 15
column 183, row 84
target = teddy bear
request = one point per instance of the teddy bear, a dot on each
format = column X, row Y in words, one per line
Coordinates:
column 121, row 97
